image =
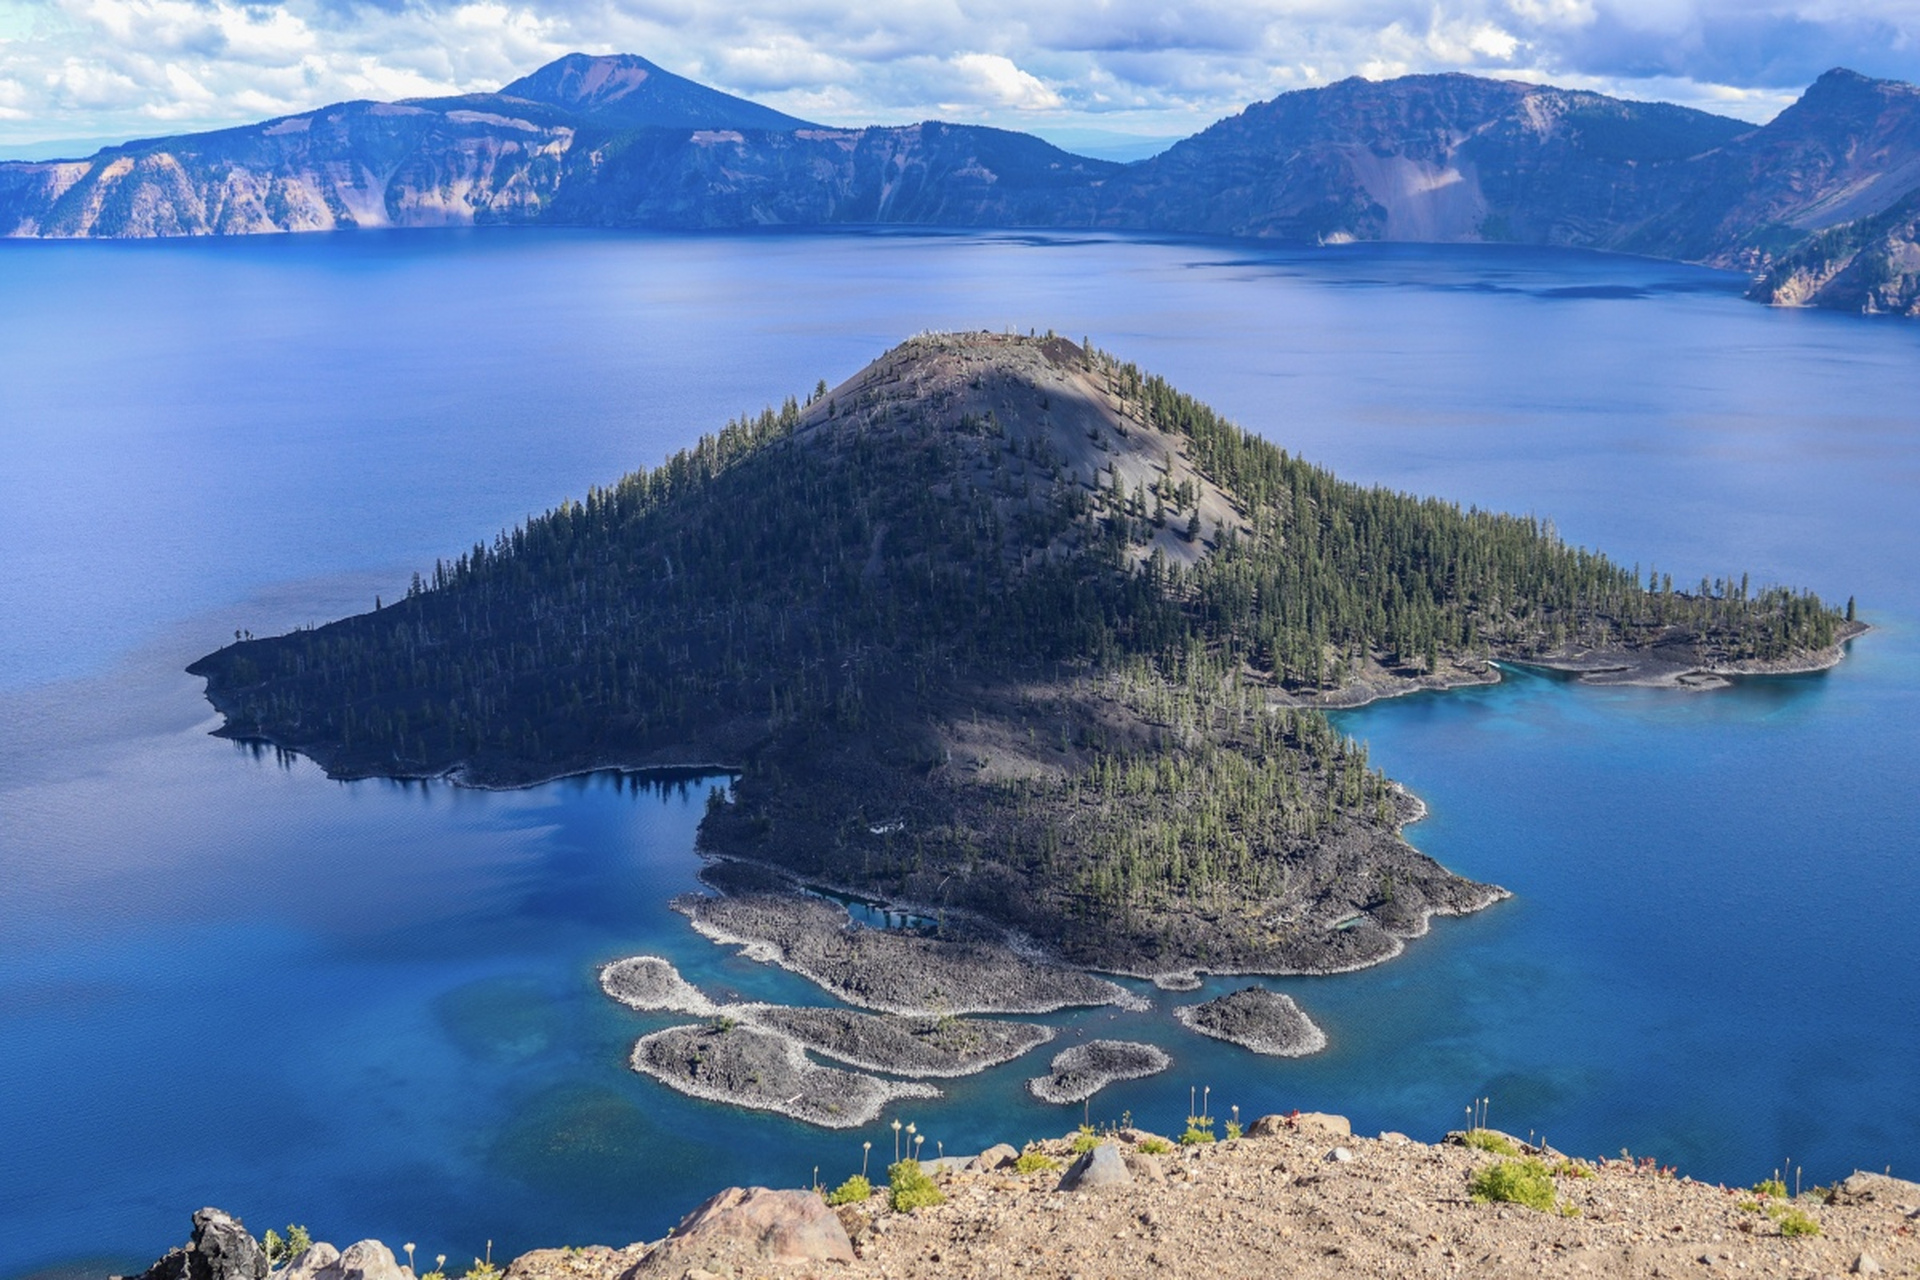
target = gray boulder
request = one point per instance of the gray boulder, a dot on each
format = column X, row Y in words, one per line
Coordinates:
column 220, row 1249
column 1101, row 1167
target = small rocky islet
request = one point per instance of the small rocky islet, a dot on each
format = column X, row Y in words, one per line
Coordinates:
column 1257, row 1019
column 1078, row 1073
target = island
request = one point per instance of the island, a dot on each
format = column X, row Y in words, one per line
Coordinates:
column 1004, row 631
column 1078, row 1073
column 727, row 1061
column 1257, row 1019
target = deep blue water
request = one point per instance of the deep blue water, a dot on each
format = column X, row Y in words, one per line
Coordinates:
column 370, row 1007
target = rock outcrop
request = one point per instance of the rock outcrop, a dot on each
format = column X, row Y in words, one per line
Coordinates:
column 751, row 1227
column 219, row 1249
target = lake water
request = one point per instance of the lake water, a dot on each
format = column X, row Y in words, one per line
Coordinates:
column 371, row 1008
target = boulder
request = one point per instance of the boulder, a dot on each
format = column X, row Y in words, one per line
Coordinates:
column 365, row 1260
column 312, row 1261
column 998, row 1156
column 1339, row 1155
column 1144, row 1168
column 1876, row 1189
column 1312, row 1124
column 1098, row 1168
column 595, row 1262
column 751, row 1225
column 220, row 1249
column 1318, row 1124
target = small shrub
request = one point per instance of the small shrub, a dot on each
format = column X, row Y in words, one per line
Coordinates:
column 1747, row 1206
column 1034, row 1161
column 1155, row 1146
column 910, row 1188
column 1487, row 1140
column 1772, row 1187
column 1524, row 1182
column 482, row 1271
column 1572, row 1169
column 1234, row 1130
column 1794, row 1223
column 1086, row 1140
column 1199, row 1131
column 854, row 1190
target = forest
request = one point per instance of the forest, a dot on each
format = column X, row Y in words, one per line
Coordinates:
column 955, row 665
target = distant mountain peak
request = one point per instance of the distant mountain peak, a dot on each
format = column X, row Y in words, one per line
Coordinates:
column 626, row 90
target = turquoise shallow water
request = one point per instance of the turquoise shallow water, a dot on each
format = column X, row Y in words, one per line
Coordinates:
column 371, row 1008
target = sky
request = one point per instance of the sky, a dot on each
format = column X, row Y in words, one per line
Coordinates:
column 113, row 69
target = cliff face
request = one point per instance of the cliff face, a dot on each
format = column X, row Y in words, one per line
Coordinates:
column 358, row 164
column 616, row 141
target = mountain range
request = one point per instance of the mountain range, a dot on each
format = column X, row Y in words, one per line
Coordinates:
column 1821, row 204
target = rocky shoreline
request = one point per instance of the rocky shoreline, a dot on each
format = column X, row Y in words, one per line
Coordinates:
column 1078, row 1073
column 1257, row 1019
column 892, row 971
column 725, row 1061
column 897, row 1045
column 652, row 985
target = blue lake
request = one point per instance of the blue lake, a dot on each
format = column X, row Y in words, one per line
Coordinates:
column 371, row 1008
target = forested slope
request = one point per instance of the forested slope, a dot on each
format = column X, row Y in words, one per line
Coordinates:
column 1003, row 624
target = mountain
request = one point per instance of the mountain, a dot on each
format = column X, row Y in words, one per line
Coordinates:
column 617, row 142
column 1002, row 624
column 1434, row 158
column 628, row 92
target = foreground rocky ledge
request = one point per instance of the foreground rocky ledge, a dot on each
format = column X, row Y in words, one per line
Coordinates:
column 1300, row 1198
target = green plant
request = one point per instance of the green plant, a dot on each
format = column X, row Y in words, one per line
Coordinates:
column 910, row 1188
column 1234, row 1130
column 1487, row 1140
column 1773, row 1187
column 853, row 1191
column 482, row 1271
column 1154, row 1146
column 1794, row 1223
column 1033, row 1160
column 1199, row 1131
column 1573, row 1169
column 279, row 1250
column 1086, row 1140
column 1525, row 1182
column 1747, row 1206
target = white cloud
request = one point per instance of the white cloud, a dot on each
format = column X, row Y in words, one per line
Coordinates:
column 72, row 68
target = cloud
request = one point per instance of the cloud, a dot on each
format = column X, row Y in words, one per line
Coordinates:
column 71, row 68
